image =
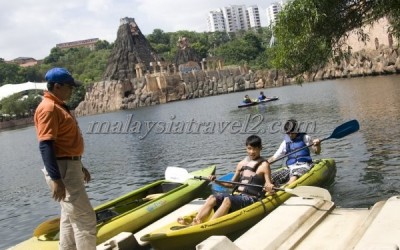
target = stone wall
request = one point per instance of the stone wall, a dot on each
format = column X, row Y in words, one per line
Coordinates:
column 157, row 88
column 16, row 123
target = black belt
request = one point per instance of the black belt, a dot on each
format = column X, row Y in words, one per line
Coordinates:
column 71, row 158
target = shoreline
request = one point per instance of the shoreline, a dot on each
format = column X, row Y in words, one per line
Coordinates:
column 15, row 124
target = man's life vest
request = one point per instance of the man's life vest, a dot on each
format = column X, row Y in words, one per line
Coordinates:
column 248, row 175
column 300, row 156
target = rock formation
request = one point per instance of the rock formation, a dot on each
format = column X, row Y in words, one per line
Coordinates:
column 185, row 53
column 384, row 60
column 130, row 48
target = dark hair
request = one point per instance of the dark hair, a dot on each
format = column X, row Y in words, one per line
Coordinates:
column 291, row 126
column 254, row 141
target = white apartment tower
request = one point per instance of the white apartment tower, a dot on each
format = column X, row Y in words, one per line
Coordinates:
column 272, row 13
column 254, row 17
column 215, row 21
column 235, row 18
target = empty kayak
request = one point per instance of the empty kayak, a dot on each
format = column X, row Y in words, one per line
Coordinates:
column 128, row 213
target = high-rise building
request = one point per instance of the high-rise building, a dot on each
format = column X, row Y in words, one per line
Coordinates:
column 233, row 18
column 215, row 21
column 254, row 17
column 272, row 13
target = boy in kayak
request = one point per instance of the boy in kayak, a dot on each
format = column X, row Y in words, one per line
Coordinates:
column 247, row 99
column 297, row 163
column 261, row 96
column 253, row 169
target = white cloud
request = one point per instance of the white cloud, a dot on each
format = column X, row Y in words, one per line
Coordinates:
column 32, row 27
column 97, row 6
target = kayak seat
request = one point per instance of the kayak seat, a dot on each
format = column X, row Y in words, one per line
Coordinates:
column 105, row 215
column 164, row 187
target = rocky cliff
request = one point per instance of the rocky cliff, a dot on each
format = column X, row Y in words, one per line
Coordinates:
column 384, row 60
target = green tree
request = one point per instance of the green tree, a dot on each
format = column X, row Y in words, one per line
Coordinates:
column 308, row 30
column 55, row 54
column 9, row 73
column 31, row 74
column 102, row 44
column 13, row 105
column 158, row 37
column 245, row 49
column 77, row 96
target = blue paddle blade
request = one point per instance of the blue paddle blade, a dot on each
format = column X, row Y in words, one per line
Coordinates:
column 345, row 129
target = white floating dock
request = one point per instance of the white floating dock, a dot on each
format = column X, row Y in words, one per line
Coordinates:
column 300, row 224
column 315, row 224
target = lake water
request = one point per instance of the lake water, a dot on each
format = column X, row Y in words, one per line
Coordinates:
column 139, row 144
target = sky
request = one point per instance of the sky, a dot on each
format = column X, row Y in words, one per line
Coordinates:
column 31, row 28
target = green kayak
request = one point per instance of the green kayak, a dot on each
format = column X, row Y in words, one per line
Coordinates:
column 177, row 236
column 128, row 213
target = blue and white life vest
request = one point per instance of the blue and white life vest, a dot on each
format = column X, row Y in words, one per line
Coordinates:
column 300, row 156
column 248, row 175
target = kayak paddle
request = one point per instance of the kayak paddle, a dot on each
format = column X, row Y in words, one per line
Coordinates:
column 177, row 174
column 301, row 191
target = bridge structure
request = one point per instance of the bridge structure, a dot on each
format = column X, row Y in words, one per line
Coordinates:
column 10, row 89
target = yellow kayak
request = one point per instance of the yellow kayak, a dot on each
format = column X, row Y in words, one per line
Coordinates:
column 177, row 236
column 128, row 213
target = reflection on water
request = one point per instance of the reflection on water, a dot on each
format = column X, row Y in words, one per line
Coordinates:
column 367, row 161
column 376, row 104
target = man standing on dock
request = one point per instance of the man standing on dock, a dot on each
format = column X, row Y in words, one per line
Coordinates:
column 61, row 146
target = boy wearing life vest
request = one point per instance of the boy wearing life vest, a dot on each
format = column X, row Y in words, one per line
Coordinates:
column 297, row 163
column 247, row 99
column 252, row 169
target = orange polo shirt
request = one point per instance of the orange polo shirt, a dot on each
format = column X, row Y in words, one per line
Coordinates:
column 54, row 122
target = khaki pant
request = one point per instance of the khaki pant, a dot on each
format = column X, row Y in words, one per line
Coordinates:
column 78, row 219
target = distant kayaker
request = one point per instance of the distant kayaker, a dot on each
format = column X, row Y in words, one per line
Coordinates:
column 61, row 146
column 262, row 96
column 252, row 169
column 247, row 99
column 297, row 163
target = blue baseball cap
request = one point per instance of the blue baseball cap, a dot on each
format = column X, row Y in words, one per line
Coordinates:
column 61, row 76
